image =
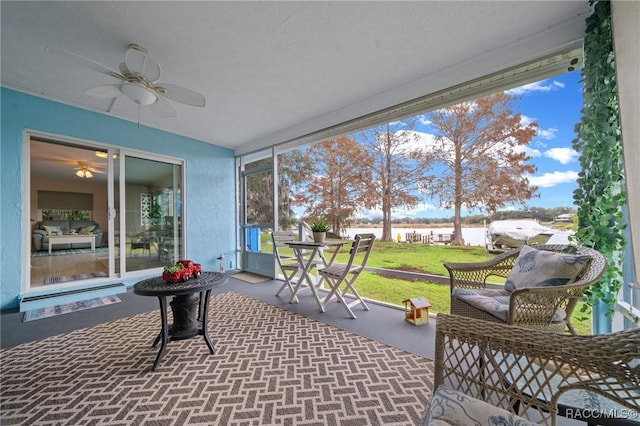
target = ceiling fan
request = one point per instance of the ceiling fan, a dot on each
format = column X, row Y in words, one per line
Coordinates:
column 85, row 171
column 139, row 75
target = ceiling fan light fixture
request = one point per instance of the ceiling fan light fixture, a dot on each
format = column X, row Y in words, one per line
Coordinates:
column 138, row 93
column 84, row 172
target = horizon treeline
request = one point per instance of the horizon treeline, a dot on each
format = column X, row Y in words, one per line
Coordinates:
column 538, row 213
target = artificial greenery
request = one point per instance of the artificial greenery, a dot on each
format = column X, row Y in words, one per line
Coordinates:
column 320, row 225
column 601, row 186
column 170, row 269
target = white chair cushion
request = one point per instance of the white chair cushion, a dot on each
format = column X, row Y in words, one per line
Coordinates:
column 494, row 302
column 450, row 407
column 538, row 268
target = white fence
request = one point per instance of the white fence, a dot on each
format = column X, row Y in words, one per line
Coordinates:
column 472, row 236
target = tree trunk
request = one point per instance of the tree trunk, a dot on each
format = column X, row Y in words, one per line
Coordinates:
column 386, row 219
column 386, row 214
column 457, row 239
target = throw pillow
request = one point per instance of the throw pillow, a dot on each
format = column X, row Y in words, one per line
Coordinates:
column 86, row 230
column 52, row 230
column 451, row 407
column 540, row 268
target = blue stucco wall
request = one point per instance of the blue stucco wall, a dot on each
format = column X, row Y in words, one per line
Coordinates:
column 209, row 193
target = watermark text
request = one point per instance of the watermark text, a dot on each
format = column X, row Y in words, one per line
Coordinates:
column 607, row 413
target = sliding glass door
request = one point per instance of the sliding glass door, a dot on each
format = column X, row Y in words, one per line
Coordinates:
column 152, row 216
column 100, row 212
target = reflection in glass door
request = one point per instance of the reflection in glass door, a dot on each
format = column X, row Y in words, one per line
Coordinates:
column 153, row 214
column 69, row 225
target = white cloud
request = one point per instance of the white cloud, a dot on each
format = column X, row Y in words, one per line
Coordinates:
column 424, row 119
column 421, row 140
column 540, row 86
column 525, row 120
column 531, row 152
column 538, row 143
column 562, row 155
column 549, row 180
column 419, row 210
column 426, row 141
column 547, row 134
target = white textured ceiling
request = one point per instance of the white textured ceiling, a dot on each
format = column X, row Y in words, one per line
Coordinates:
column 273, row 71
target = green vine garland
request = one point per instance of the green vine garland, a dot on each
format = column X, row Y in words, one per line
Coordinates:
column 601, row 193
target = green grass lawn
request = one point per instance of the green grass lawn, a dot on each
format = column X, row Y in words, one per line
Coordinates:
column 422, row 257
column 426, row 259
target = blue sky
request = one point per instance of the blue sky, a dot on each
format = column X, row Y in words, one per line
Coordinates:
column 555, row 103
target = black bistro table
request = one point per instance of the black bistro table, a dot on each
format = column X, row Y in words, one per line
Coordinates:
column 190, row 310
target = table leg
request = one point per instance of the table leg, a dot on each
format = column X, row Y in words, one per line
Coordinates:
column 165, row 321
column 303, row 276
column 204, row 316
column 164, row 332
column 306, row 277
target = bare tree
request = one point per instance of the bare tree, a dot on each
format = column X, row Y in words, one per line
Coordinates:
column 396, row 168
column 479, row 160
column 335, row 192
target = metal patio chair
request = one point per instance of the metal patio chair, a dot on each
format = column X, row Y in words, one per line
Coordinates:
column 337, row 275
column 289, row 265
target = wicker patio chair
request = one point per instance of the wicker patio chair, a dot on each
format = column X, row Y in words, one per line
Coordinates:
column 543, row 307
column 484, row 368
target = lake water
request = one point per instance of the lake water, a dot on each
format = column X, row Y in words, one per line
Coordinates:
column 472, row 236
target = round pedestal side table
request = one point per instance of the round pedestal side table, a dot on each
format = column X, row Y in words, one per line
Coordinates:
column 190, row 307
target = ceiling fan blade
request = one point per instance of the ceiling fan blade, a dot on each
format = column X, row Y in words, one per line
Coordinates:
column 163, row 108
column 137, row 60
column 123, row 69
column 81, row 60
column 104, row 91
column 181, row 94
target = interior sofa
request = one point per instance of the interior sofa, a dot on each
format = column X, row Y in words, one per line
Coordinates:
column 41, row 233
column 497, row 374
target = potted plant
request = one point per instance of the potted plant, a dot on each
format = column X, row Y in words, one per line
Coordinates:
column 173, row 273
column 319, row 227
column 182, row 270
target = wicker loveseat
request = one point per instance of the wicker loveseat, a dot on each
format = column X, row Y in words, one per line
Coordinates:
column 545, row 305
column 488, row 373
